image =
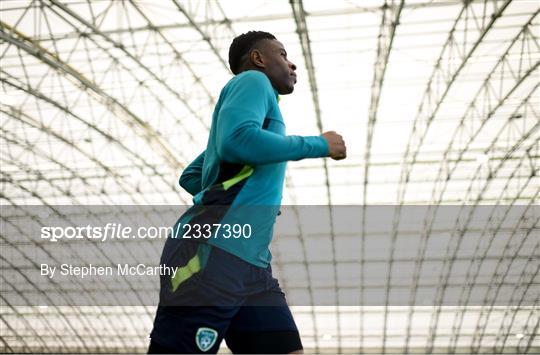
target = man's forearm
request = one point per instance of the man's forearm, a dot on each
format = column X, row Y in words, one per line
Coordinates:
column 254, row 146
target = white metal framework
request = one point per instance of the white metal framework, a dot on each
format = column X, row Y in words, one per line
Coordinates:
column 105, row 102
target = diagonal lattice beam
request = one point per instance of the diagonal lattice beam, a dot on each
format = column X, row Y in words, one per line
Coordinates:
column 18, row 114
column 490, row 97
column 389, row 21
column 130, row 55
column 303, row 34
column 492, row 102
column 184, row 62
column 205, row 35
column 444, row 75
column 141, row 127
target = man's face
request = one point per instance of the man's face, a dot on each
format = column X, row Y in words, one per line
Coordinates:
column 277, row 67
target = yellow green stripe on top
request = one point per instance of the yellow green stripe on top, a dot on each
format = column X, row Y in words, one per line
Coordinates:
column 243, row 174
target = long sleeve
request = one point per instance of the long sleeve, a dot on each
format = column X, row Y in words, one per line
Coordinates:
column 191, row 178
column 240, row 137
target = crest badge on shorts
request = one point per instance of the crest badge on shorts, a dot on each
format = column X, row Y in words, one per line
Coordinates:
column 205, row 338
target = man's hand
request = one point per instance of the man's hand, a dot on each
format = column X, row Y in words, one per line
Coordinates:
column 336, row 145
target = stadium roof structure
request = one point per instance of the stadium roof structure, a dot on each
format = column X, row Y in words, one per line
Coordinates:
column 105, row 102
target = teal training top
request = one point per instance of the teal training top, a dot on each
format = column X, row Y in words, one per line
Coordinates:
column 244, row 165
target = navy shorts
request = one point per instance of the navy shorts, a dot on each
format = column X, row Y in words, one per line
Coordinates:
column 216, row 295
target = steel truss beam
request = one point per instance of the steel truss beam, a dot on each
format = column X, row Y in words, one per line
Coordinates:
column 492, row 105
column 470, row 277
column 462, row 223
column 490, row 97
column 229, row 33
column 148, row 130
column 155, row 28
column 18, row 114
column 500, row 273
column 389, row 21
column 27, row 120
column 37, row 288
column 445, row 74
column 430, row 218
column 282, row 16
column 69, row 321
column 88, row 329
column 90, row 125
column 139, row 126
column 109, row 138
column 25, row 144
column 489, row 108
column 299, row 14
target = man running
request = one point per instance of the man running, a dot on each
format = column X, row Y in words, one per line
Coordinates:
column 224, row 287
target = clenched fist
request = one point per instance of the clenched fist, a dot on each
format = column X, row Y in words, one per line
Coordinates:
column 336, row 145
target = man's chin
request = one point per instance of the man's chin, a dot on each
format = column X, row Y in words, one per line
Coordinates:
column 286, row 91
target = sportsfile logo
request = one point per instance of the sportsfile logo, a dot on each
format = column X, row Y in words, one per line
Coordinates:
column 103, row 233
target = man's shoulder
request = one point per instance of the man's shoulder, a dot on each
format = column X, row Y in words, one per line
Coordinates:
column 251, row 78
column 252, row 75
column 249, row 87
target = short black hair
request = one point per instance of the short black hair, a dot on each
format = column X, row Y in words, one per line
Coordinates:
column 242, row 45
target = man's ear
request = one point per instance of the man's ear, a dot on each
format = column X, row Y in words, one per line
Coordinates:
column 256, row 58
